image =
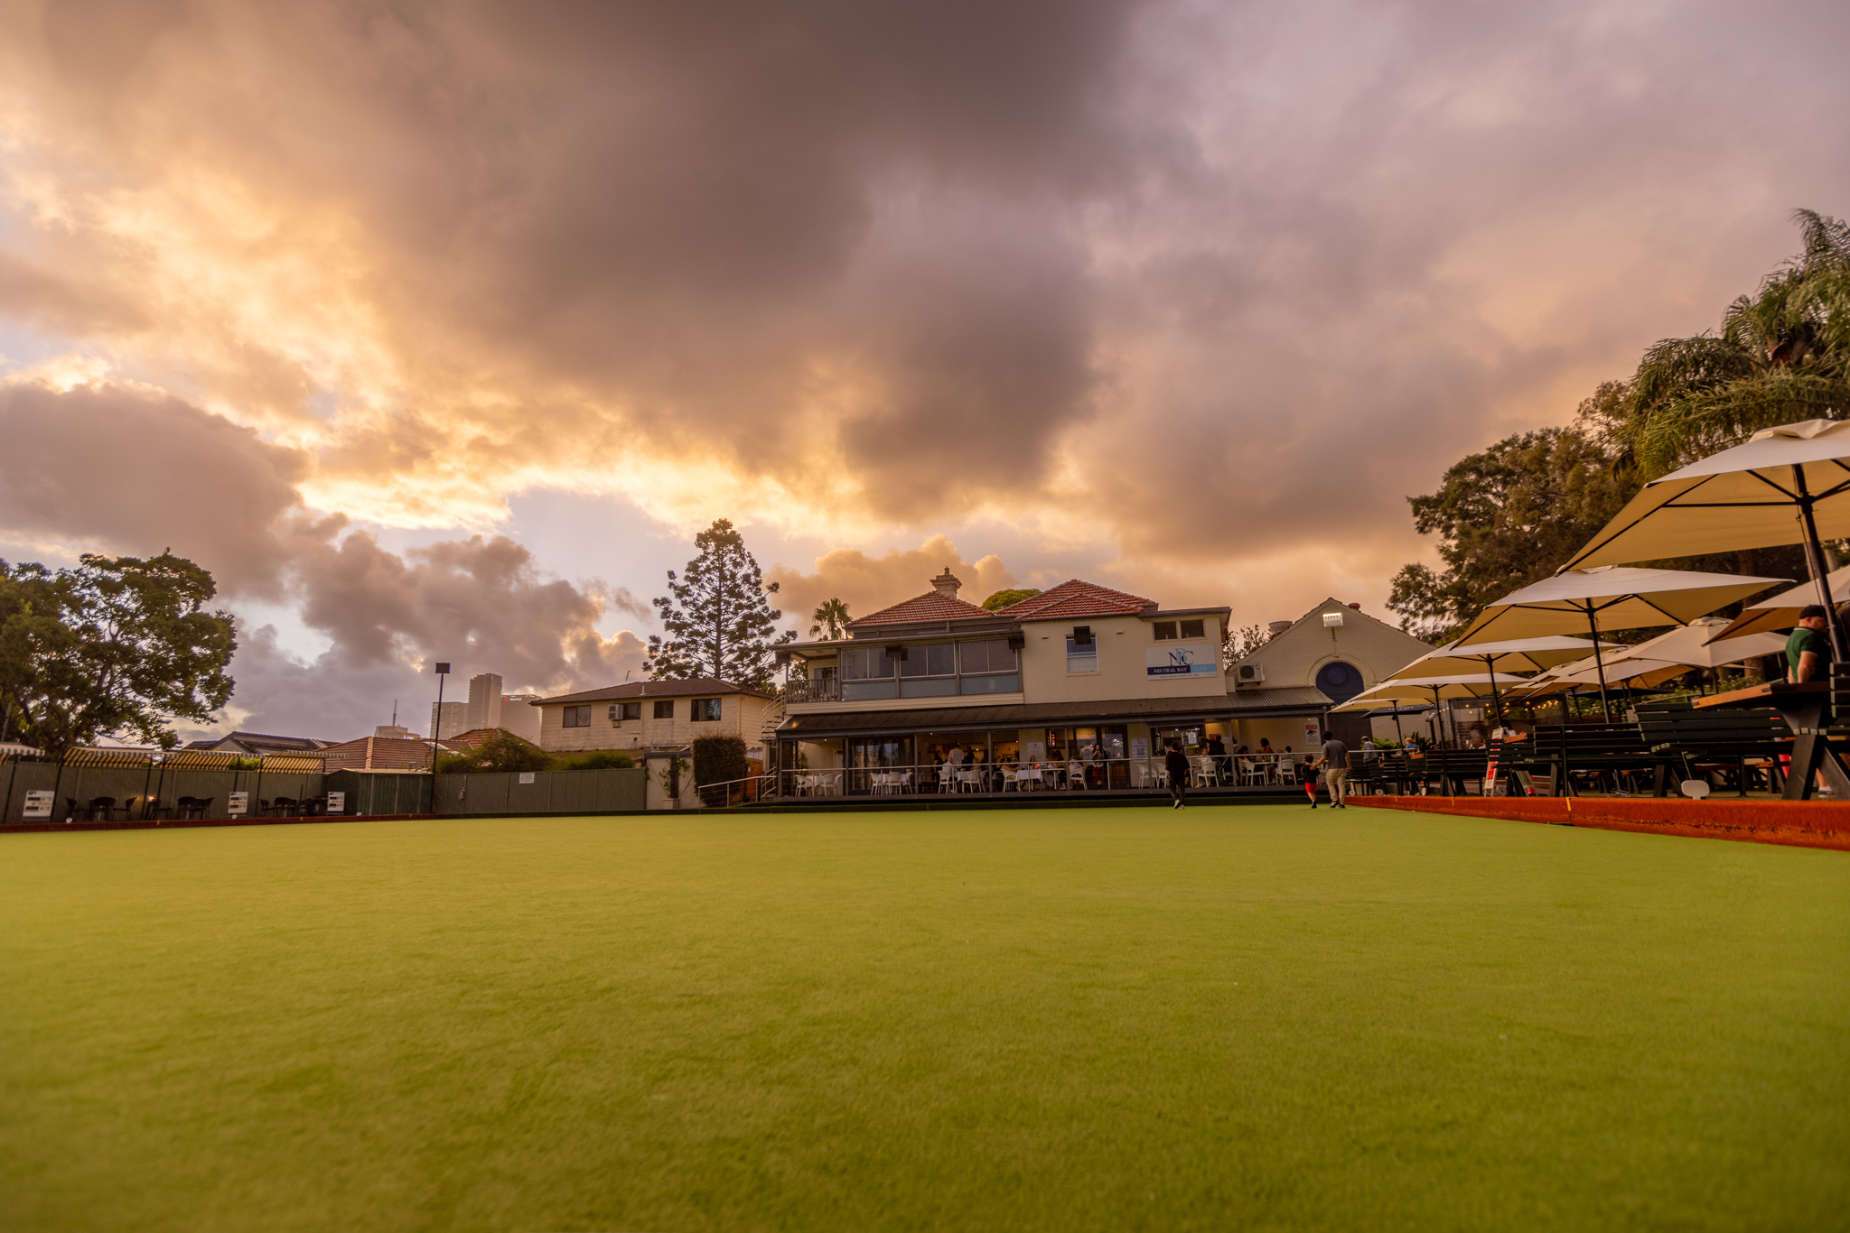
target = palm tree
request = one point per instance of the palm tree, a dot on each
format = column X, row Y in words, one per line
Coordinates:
column 1782, row 354
column 830, row 620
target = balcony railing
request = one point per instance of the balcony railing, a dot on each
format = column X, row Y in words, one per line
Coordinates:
column 827, row 689
column 882, row 689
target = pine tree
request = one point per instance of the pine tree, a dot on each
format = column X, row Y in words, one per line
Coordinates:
column 717, row 616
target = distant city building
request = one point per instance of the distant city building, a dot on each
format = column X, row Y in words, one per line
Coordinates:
column 396, row 732
column 520, row 716
column 449, row 719
column 485, row 700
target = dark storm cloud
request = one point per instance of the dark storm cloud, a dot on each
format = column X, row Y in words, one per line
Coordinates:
column 138, row 472
column 1203, row 282
column 118, row 469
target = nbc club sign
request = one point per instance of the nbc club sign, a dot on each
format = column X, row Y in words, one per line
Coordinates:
column 1182, row 659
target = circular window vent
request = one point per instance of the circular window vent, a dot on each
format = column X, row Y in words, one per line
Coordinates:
column 1339, row 681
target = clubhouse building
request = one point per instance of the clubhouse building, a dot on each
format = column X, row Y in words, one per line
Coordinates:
column 1078, row 673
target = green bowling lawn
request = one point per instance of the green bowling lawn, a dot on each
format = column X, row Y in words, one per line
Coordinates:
column 1232, row 1017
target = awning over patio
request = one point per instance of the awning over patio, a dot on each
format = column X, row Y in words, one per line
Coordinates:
column 976, row 718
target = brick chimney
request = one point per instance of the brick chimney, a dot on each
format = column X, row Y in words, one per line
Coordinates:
column 946, row 584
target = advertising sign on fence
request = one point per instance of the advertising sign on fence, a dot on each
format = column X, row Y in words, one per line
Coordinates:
column 38, row 804
column 526, row 777
column 337, row 802
column 237, row 804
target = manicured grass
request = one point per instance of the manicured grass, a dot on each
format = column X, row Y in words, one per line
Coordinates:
column 1095, row 1019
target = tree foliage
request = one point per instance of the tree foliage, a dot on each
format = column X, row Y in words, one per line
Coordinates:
column 499, row 751
column 1781, row 354
column 717, row 616
column 1241, row 641
column 1009, row 595
column 1504, row 517
column 1510, row 514
column 118, row 646
column 829, row 620
column 718, row 759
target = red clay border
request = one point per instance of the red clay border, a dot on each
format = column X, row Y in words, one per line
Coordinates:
column 1807, row 824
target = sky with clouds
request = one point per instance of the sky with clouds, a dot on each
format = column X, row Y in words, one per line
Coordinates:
column 437, row 330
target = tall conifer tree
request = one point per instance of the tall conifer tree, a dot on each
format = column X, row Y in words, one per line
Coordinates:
column 717, row 616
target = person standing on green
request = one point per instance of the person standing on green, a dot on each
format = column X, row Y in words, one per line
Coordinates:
column 1808, row 649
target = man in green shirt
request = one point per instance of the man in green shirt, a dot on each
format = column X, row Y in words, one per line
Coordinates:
column 1808, row 649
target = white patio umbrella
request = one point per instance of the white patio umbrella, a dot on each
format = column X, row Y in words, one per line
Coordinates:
column 1432, row 690
column 1784, row 485
column 1612, row 597
column 1699, row 646
column 1782, row 611
column 1514, row 658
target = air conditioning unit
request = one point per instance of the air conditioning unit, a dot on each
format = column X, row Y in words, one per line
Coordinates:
column 613, row 714
column 1249, row 674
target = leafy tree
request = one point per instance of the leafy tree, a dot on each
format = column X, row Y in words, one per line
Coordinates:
column 1505, row 516
column 503, row 751
column 118, row 646
column 717, row 616
column 1782, row 354
column 1009, row 595
column 830, row 620
column 1242, row 641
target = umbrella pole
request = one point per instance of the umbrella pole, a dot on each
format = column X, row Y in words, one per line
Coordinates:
column 1814, row 557
column 1599, row 665
column 1399, row 739
column 1496, row 701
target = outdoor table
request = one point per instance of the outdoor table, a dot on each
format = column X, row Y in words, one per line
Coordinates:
column 1803, row 707
column 1027, row 776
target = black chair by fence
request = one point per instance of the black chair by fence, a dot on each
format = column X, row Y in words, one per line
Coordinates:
column 102, row 808
column 193, row 806
column 285, row 807
column 1614, row 752
column 1743, row 748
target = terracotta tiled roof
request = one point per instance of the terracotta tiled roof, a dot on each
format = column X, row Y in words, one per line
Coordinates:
column 377, row 753
column 697, row 686
column 929, row 607
column 1077, row 598
column 475, row 738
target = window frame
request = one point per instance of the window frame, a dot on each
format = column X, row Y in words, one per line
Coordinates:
column 696, row 705
column 575, row 715
column 663, row 709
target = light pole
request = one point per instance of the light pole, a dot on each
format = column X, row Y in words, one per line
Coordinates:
column 436, row 730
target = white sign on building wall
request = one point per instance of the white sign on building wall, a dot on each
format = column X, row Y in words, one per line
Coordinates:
column 1182, row 659
column 337, row 802
column 237, row 804
column 38, row 804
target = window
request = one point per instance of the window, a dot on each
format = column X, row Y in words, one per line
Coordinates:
column 934, row 659
column 1194, row 629
column 989, row 655
column 1169, row 630
column 625, row 710
column 867, row 663
column 578, row 716
column 665, row 710
column 1081, row 650
column 705, row 710
column 1165, row 630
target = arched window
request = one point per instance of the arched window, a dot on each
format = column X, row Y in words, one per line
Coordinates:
column 1339, row 681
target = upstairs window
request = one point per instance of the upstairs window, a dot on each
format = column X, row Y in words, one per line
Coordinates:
column 665, row 709
column 931, row 659
column 988, row 655
column 867, row 663
column 625, row 710
column 1081, row 650
column 706, row 710
column 1169, row 631
column 578, row 716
